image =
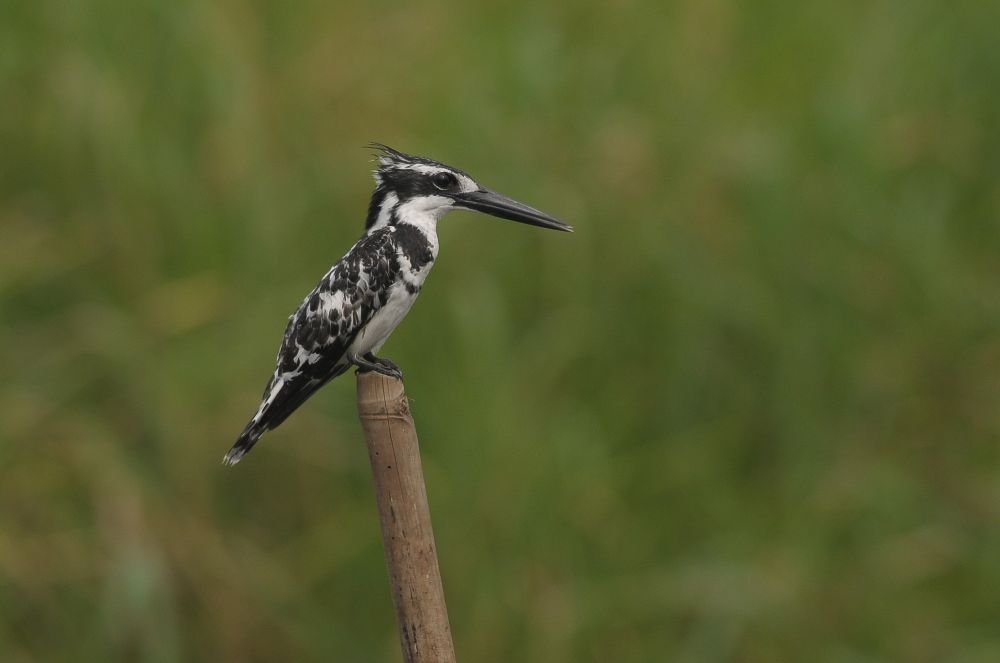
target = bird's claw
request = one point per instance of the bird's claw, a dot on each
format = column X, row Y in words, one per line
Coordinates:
column 393, row 372
column 372, row 363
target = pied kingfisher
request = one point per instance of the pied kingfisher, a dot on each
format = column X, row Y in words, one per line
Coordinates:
column 356, row 306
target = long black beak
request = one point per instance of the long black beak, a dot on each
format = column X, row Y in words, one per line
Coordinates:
column 495, row 204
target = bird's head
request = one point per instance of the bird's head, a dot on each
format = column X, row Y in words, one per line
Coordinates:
column 408, row 184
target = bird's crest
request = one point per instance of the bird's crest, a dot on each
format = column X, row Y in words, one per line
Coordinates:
column 388, row 159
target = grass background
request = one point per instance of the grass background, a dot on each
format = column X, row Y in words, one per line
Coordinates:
column 750, row 411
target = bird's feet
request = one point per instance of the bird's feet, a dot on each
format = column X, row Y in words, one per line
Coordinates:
column 370, row 362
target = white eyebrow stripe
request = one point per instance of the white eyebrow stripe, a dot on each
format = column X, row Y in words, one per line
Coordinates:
column 421, row 168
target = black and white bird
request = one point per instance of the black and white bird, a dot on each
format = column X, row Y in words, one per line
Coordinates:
column 350, row 314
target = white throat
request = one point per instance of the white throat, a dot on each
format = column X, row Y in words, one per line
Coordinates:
column 424, row 213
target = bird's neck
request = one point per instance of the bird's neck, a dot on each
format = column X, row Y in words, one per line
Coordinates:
column 418, row 214
column 380, row 209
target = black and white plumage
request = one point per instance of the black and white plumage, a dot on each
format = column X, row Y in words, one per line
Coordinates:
column 350, row 314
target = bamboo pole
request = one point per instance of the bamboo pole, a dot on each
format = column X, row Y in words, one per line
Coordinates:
column 410, row 553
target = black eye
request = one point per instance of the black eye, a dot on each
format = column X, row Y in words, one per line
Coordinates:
column 444, row 180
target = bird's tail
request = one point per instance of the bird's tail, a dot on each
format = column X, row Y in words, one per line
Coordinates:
column 245, row 442
column 261, row 422
column 281, row 398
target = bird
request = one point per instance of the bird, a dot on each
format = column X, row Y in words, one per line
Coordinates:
column 361, row 300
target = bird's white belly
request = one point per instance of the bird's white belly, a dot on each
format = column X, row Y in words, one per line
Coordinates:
column 373, row 335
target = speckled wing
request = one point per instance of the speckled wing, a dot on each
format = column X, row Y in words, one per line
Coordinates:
column 313, row 350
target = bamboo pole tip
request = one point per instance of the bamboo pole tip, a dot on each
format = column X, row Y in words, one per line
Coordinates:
column 376, row 391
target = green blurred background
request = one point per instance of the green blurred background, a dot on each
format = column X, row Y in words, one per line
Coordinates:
column 750, row 411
